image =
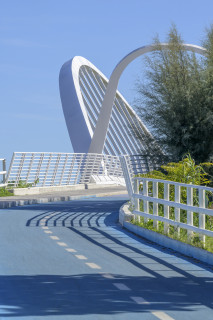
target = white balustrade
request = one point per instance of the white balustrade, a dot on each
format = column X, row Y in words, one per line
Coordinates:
column 176, row 212
column 58, row 169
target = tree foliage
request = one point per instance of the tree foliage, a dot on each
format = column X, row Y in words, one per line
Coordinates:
column 176, row 99
column 184, row 171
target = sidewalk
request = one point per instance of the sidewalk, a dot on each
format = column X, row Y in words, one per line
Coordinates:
column 13, row 201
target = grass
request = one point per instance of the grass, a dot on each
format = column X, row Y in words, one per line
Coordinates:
column 5, row 193
column 179, row 234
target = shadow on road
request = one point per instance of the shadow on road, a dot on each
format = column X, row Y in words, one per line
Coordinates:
column 186, row 286
column 76, row 213
column 88, row 294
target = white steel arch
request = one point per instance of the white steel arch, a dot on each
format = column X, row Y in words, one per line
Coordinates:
column 99, row 135
column 82, row 90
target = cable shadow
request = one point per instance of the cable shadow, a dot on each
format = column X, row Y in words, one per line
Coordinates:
column 76, row 213
column 161, row 279
column 90, row 294
column 81, row 214
column 58, row 294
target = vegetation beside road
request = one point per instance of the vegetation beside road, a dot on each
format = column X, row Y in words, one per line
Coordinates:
column 4, row 192
column 185, row 171
column 8, row 190
column 175, row 98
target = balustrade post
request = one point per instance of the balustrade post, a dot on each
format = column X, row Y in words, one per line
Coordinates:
column 202, row 197
column 177, row 210
column 155, row 205
column 189, row 213
column 145, row 202
column 136, row 200
column 166, row 208
column 4, row 169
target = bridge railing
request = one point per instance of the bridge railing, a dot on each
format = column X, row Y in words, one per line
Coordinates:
column 3, row 172
column 139, row 164
column 60, row 169
column 182, row 206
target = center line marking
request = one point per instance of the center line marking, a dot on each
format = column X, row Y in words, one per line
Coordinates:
column 71, row 250
column 93, row 265
column 47, row 231
column 107, row 276
column 62, row 244
column 54, row 238
column 44, row 228
column 121, row 286
column 139, row 300
column 162, row 315
column 159, row 314
column 81, row 257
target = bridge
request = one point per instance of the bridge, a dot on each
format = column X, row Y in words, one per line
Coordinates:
column 63, row 253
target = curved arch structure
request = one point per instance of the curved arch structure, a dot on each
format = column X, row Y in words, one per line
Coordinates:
column 100, row 132
column 82, row 90
column 98, row 118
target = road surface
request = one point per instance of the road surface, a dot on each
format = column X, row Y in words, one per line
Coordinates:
column 71, row 260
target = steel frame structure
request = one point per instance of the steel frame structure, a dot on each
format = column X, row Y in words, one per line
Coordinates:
column 82, row 90
column 98, row 118
column 43, row 169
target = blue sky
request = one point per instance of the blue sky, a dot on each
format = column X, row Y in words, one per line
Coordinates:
column 37, row 37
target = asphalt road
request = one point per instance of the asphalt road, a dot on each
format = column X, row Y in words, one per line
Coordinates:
column 71, row 260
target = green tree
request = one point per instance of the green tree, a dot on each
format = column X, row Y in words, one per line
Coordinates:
column 176, row 98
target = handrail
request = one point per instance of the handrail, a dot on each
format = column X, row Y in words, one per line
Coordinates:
column 41, row 169
column 145, row 198
column 176, row 183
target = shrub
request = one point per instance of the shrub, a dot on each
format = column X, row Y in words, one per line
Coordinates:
column 185, row 171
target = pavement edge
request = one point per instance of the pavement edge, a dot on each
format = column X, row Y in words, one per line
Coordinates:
column 125, row 217
column 16, row 203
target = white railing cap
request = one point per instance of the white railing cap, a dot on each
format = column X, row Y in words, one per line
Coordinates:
column 16, row 153
column 174, row 183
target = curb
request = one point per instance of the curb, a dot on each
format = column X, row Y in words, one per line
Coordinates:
column 16, row 203
column 186, row 249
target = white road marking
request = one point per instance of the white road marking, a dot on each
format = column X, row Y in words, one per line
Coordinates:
column 159, row 314
column 47, row 231
column 162, row 315
column 121, row 286
column 93, row 265
column 71, row 250
column 139, row 300
column 107, row 275
column 54, row 238
column 44, row 228
column 62, row 244
column 81, row 257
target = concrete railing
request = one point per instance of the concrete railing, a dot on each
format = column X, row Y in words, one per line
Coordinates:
column 183, row 206
column 3, row 172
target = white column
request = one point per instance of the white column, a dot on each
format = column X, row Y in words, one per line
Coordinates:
column 155, row 205
column 201, row 215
